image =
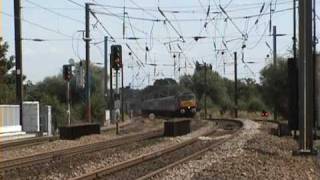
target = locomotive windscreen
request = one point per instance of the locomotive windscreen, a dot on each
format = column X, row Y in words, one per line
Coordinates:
column 185, row 97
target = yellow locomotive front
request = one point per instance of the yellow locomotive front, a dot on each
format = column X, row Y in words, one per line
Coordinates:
column 187, row 104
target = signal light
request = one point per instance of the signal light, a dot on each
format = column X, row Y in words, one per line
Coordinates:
column 116, row 57
column 67, row 72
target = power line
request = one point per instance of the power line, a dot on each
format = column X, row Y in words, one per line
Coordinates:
column 139, row 7
column 234, row 24
column 103, row 27
column 189, row 19
column 78, row 4
column 134, row 35
column 162, row 13
column 37, row 25
column 165, row 9
column 115, row 15
column 53, row 12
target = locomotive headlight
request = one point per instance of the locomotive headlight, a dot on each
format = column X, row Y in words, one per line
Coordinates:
column 182, row 111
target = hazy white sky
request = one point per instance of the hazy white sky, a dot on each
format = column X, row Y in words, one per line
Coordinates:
column 60, row 20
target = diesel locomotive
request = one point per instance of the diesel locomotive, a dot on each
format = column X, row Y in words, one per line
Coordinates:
column 183, row 104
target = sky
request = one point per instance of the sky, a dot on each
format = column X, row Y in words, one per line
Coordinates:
column 166, row 35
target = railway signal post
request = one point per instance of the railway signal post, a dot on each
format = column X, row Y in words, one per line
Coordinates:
column 235, row 85
column 67, row 75
column 116, row 64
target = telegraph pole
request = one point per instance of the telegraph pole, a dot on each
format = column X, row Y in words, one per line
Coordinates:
column 235, row 85
column 306, row 76
column 314, row 31
column 87, row 40
column 270, row 19
column 68, row 103
column 275, row 113
column 111, row 99
column 205, row 90
column 106, row 75
column 106, row 68
column 314, row 59
column 294, row 47
column 18, row 56
column 122, row 96
column 274, row 34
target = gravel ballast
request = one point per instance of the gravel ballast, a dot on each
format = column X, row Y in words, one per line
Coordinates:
column 134, row 127
column 77, row 165
column 254, row 154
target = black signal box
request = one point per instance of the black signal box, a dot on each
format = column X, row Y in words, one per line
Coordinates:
column 67, row 72
column 116, row 57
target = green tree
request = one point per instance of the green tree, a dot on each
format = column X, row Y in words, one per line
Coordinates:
column 161, row 88
column 274, row 80
column 52, row 91
column 7, row 75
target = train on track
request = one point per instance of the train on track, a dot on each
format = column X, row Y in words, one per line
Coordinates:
column 181, row 105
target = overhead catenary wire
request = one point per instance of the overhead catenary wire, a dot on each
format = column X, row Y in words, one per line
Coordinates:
column 153, row 20
column 234, row 24
column 113, row 14
column 189, row 19
column 239, row 7
column 103, row 27
column 75, row 3
column 141, row 8
column 38, row 25
column 170, row 23
column 53, row 12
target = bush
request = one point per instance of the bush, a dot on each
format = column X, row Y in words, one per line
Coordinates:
column 255, row 104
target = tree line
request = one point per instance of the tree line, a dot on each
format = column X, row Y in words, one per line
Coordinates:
column 253, row 96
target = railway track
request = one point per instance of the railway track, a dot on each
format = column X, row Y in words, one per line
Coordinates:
column 26, row 142
column 36, row 159
column 148, row 165
column 12, row 144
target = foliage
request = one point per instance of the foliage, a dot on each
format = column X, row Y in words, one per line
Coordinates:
column 7, row 75
column 215, row 88
column 220, row 91
column 255, row 104
column 275, row 86
column 161, row 88
column 52, row 91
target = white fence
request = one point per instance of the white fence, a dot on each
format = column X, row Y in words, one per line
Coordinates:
column 31, row 116
column 9, row 118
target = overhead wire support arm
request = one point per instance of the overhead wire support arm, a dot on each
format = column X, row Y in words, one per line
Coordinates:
column 234, row 24
column 140, row 61
column 103, row 27
column 180, row 35
column 113, row 14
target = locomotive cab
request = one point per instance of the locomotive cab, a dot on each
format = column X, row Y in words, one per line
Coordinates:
column 187, row 104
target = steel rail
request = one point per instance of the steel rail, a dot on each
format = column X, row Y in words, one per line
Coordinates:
column 100, row 173
column 194, row 155
column 64, row 153
column 11, row 144
column 26, row 142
